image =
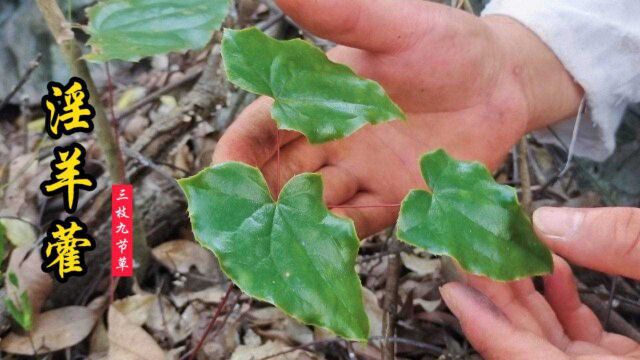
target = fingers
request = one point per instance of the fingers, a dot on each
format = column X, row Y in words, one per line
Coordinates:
column 369, row 213
column 504, row 298
column 489, row 330
column 579, row 322
column 604, row 239
column 252, row 138
column 296, row 157
column 339, row 185
column 365, row 24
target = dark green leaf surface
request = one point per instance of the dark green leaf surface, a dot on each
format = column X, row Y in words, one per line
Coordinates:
column 131, row 29
column 321, row 99
column 473, row 219
column 292, row 253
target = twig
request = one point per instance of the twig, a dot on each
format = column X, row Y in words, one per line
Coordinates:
column 612, row 293
column 33, row 65
column 189, row 77
column 391, row 301
column 434, row 350
column 225, row 318
column 221, row 305
column 525, row 177
column 299, row 347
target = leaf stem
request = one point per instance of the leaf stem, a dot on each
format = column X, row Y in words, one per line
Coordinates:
column 277, row 162
column 363, row 206
column 216, row 315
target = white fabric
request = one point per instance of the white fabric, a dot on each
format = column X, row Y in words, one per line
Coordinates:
column 598, row 41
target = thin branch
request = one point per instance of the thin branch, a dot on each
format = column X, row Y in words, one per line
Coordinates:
column 299, row 347
column 525, row 177
column 391, row 301
column 221, row 305
column 33, row 65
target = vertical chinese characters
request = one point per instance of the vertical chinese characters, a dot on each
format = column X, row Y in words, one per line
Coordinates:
column 122, row 230
column 63, row 248
column 68, row 176
column 67, row 111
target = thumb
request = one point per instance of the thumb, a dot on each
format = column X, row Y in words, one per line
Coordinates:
column 603, row 239
column 489, row 330
column 374, row 25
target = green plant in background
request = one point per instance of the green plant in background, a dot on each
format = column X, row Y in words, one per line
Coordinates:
column 3, row 242
column 20, row 308
column 132, row 29
column 291, row 251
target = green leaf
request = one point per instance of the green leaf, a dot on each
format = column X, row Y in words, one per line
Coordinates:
column 3, row 241
column 131, row 29
column 13, row 279
column 22, row 313
column 292, row 253
column 26, row 320
column 19, row 232
column 473, row 219
column 321, row 99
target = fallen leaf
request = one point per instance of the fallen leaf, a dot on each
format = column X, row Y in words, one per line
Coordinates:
column 52, row 331
column 166, row 321
column 136, row 307
column 427, row 305
column 129, row 96
column 128, row 341
column 183, row 255
column 218, row 345
column 419, row 265
column 245, row 352
column 99, row 342
column 209, row 296
column 25, row 262
column 374, row 312
column 19, row 232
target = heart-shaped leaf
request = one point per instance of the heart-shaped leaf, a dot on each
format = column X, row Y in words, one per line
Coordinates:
column 319, row 98
column 473, row 219
column 292, row 253
column 131, row 29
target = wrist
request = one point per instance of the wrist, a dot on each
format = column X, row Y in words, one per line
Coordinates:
column 551, row 93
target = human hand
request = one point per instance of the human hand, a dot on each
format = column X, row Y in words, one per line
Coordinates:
column 469, row 85
column 513, row 321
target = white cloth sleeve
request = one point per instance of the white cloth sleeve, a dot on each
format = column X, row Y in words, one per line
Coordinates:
column 599, row 44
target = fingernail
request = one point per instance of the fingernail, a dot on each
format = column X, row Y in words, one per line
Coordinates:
column 557, row 223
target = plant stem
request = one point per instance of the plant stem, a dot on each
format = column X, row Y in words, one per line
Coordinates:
column 391, row 301
column 221, row 305
column 33, row 65
column 363, row 206
column 107, row 139
column 525, row 178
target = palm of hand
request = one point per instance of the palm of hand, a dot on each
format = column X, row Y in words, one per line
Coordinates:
column 456, row 91
column 530, row 325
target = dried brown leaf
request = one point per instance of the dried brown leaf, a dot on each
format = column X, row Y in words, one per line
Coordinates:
column 128, row 341
column 53, row 330
column 183, row 255
column 25, row 262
